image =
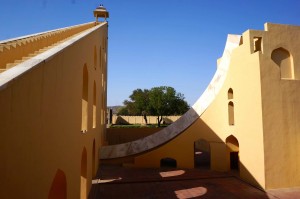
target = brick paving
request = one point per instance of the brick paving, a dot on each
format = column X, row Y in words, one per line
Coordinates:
column 139, row 183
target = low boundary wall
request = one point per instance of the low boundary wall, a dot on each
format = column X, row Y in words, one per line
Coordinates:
column 123, row 135
column 140, row 119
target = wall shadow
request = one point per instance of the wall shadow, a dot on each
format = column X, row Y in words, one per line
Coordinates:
column 188, row 183
column 219, row 150
column 121, row 121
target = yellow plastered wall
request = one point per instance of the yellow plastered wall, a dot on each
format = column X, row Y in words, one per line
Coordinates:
column 266, row 112
column 123, row 135
column 281, row 108
column 213, row 125
column 41, row 121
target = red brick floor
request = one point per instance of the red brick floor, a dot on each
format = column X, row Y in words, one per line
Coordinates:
column 119, row 182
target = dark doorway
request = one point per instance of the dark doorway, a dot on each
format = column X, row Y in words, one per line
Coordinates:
column 234, row 160
column 233, row 149
column 202, row 154
column 168, row 163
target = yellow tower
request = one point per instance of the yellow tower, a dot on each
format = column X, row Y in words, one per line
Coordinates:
column 101, row 12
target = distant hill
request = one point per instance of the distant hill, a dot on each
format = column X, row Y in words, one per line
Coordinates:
column 115, row 109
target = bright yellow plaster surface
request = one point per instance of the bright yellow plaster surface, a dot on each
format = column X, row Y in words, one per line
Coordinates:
column 266, row 113
column 41, row 111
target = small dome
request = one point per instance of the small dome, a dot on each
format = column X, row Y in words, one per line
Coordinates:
column 101, row 7
column 101, row 11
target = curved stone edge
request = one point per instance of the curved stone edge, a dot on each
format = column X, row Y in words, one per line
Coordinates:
column 165, row 135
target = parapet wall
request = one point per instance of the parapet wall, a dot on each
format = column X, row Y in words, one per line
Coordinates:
column 123, row 135
column 121, row 119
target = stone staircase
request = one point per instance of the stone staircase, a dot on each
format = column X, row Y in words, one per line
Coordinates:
column 16, row 51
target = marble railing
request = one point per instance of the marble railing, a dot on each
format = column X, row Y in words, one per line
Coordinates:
column 165, row 135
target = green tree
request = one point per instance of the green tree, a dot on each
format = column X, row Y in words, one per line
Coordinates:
column 164, row 101
column 137, row 104
column 123, row 111
column 158, row 101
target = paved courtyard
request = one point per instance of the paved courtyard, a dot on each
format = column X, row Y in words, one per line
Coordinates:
column 119, row 182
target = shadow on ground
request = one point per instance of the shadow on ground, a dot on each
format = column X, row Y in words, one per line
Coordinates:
column 120, row 182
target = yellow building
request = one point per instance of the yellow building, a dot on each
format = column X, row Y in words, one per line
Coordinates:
column 246, row 120
column 53, row 108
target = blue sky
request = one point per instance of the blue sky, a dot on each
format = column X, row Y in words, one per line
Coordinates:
column 154, row 42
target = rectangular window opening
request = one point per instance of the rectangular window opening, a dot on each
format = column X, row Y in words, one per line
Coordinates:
column 257, row 44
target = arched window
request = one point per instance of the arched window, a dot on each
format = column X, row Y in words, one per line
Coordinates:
column 94, row 106
column 231, row 113
column 230, row 93
column 95, row 57
column 100, row 59
column 94, row 158
column 104, row 48
column 284, row 61
column 103, row 110
column 257, row 44
column 83, row 176
column 84, row 101
column 58, row 188
column 241, row 41
column 232, row 143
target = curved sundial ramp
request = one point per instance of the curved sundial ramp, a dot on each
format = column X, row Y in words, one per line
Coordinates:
column 167, row 134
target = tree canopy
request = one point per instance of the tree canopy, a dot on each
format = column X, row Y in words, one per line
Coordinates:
column 158, row 101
